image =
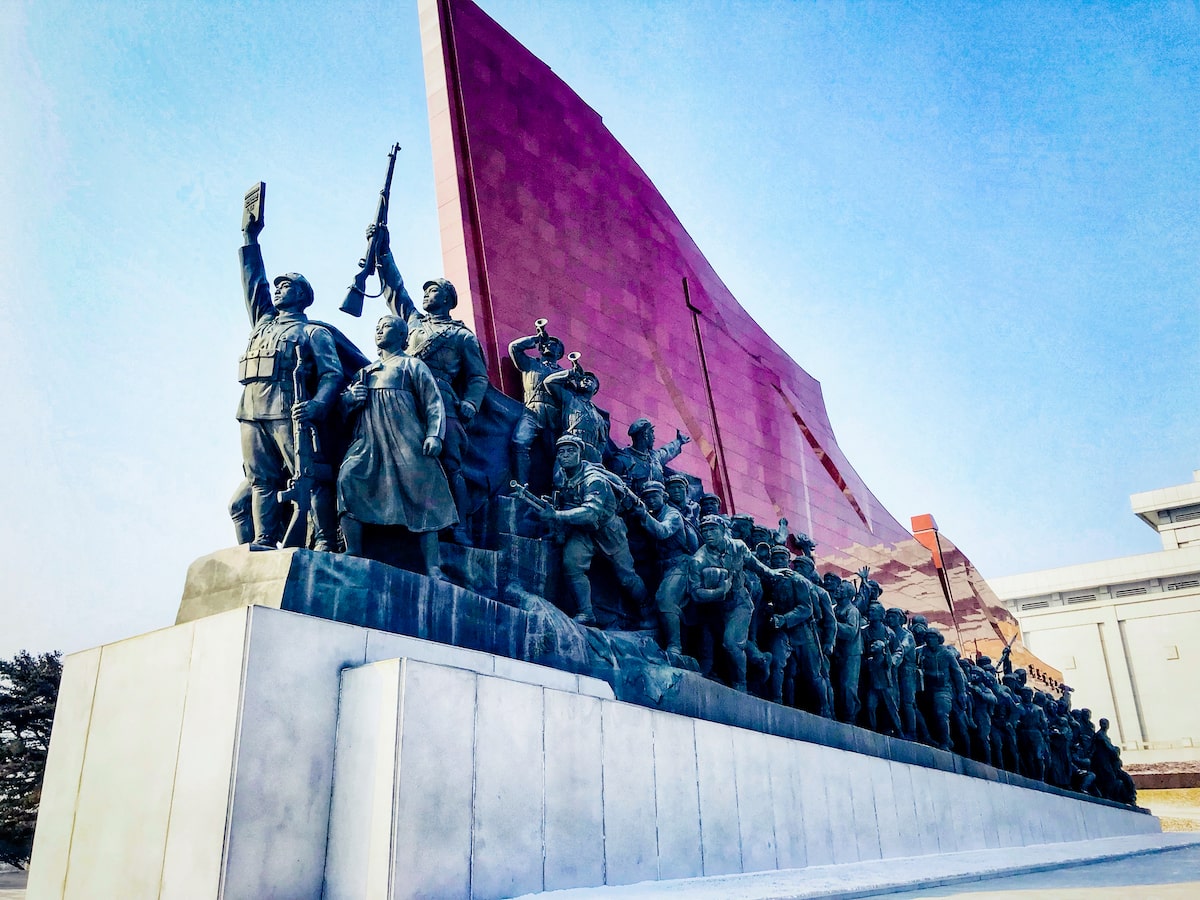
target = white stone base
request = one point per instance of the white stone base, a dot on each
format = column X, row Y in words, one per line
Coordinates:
column 263, row 754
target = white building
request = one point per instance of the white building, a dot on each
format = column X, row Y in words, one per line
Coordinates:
column 1126, row 632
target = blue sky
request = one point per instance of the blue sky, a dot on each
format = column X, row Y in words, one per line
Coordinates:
column 975, row 224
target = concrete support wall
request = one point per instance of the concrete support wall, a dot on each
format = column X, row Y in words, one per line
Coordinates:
column 262, row 754
column 631, row 794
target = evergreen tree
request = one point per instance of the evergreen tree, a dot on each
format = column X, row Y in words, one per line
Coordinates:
column 28, row 693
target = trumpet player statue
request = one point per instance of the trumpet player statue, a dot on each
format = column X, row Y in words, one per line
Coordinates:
column 573, row 392
column 541, row 412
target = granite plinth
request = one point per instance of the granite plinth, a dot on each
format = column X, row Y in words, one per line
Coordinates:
column 263, row 754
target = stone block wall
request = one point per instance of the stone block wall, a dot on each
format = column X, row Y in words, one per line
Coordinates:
column 264, row 754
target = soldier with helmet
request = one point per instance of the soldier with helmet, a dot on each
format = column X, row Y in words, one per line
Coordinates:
column 716, row 584
column 284, row 349
column 586, row 509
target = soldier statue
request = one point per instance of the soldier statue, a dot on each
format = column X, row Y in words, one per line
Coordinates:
column 716, row 583
column 826, row 620
column 677, row 495
column 796, row 653
column 573, row 392
column 943, row 682
column 710, row 505
column 453, row 355
column 906, row 675
column 587, row 512
column 674, row 545
column 642, row 461
column 541, row 412
column 879, row 682
column 846, row 661
column 285, row 352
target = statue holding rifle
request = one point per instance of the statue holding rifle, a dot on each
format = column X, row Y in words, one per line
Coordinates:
column 290, row 375
column 445, row 345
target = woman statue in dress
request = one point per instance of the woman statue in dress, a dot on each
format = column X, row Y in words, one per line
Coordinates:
column 391, row 474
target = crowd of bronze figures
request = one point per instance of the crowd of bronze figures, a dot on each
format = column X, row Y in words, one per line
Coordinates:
column 726, row 596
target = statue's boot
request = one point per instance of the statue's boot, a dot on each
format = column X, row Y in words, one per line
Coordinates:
column 738, row 658
column 431, row 555
column 352, row 533
column 670, row 635
column 264, row 508
column 462, row 503
column 324, row 518
column 520, row 458
column 581, row 589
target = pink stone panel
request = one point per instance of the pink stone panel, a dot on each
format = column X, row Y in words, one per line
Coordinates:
column 544, row 213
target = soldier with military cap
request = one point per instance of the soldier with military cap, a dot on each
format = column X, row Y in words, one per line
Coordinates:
column 673, row 544
column 710, row 505
column 642, row 462
column 796, row 646
column 907, row 674
column 677, row 495
column 586, row 508
column 573, row 391
column 944, row 682
column 716, row 584
column 285, row 350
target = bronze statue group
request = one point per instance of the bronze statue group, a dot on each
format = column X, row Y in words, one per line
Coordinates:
column 724, row 595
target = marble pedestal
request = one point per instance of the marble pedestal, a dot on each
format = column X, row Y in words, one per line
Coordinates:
column 259, row 753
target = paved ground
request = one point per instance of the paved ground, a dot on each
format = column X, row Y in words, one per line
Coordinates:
column 1068, row 870
column 12, row 884
column 1177, row 808
column 1174, row 875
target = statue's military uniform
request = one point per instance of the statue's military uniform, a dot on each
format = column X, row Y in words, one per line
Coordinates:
column 907, row 681
column 588, row 512
column 541, row 412
column 577, row 414
column 279, row 341
column 636, row 467
column 717, row 585
column 846, row 661
column 943, row 681
column 796, row 645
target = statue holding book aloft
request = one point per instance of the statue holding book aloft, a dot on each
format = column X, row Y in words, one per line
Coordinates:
column 290, row 376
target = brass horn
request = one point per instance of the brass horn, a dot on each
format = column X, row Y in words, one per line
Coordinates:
column 573, row 356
